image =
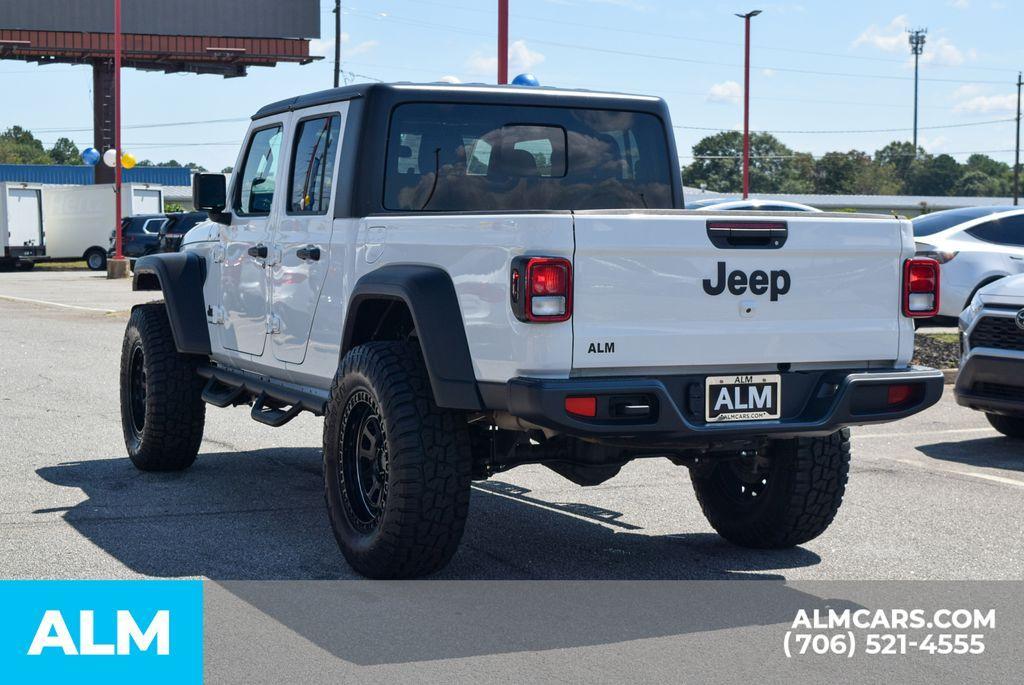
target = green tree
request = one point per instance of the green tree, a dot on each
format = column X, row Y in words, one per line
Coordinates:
column 64, row 151
column 718, row 163
column 838, row 173
column 975, row 183
column 899, row 155
column 227, row 170
column 934, row 176
column 19, row 146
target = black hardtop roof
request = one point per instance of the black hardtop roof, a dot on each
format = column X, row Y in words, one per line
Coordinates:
column 479, row 93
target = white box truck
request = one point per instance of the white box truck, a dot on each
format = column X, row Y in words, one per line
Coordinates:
column 80, row 219
column 21, row 225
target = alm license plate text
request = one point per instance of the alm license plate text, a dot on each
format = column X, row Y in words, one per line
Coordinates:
column 742, row 398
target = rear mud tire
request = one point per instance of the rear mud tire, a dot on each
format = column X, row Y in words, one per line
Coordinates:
column 789, row 503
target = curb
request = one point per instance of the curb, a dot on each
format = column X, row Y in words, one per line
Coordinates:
column 950, row 375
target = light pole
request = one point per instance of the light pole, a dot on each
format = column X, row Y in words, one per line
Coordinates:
column 916, row 38
column 502, row 41
column 1016, row 156
column 337, row 43
column 746, row 100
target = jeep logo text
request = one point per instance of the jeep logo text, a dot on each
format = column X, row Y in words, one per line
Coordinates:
column 758, row 282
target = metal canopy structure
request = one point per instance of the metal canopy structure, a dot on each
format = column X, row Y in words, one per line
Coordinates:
column 221, row 37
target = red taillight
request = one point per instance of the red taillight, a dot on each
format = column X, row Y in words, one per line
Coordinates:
column 541, row 289
column 920, row 288
column 581, row 406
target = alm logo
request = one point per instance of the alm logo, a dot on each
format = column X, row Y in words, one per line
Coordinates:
column 53, row 633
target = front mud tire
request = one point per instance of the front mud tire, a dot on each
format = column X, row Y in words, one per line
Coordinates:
column 789, row 503
column 162, row 410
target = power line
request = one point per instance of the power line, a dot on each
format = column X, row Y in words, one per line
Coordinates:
column 863, row 130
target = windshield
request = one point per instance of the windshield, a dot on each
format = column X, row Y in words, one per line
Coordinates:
column 929, row 224
column 460, row 157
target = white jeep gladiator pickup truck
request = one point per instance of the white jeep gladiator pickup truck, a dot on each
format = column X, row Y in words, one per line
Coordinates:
column 464, row 279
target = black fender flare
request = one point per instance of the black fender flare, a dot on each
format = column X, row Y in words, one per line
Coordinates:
column 180, row 275
column 430, row 295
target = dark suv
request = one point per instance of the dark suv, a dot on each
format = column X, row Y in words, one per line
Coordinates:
column 151, row 233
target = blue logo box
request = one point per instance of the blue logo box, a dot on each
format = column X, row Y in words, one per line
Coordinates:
column 102, row 631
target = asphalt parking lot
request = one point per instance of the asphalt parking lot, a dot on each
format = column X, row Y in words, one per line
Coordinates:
column 933, row 497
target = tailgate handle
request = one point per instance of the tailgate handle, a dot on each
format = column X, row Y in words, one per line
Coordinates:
column 748, row 235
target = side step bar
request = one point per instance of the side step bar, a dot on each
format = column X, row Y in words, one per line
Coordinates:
column 226, row 387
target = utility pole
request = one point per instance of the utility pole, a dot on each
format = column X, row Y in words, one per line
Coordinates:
column 502, row 41
column 916, row 38
column 1016, row 156
column 746, row 100
column 337, row 43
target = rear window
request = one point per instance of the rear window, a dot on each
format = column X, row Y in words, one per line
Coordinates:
column 453, row 157
column 936, row 222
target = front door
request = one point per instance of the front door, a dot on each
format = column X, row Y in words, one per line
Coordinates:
column 246, row 242
column 303, row 236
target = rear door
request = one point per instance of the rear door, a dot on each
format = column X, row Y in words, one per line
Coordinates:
column 246, row 242
column 24, row 217
column 303, row 234
column 654, row 291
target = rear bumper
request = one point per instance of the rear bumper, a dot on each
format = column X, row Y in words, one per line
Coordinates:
column 813, row 403
column 992, row 383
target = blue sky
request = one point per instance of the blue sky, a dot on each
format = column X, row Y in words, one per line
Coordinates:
column 822, row 71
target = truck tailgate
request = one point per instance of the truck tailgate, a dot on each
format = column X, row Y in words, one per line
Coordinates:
column 652, row 291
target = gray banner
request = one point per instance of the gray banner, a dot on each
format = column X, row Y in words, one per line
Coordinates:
column 613, row 631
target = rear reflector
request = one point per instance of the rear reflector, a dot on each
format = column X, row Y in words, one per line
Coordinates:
column 920, row 287
column 581, row 406
column 898, row 394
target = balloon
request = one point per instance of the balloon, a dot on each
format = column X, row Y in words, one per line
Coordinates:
column 127, row 160
column 110, row 157
column 525, row 80
column 90, row 156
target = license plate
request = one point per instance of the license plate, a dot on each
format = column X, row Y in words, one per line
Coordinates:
column 742, row 398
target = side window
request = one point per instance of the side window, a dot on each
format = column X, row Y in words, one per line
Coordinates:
column 259, row 171
column 312, row 173
column 1008, row 231
column 153, row 226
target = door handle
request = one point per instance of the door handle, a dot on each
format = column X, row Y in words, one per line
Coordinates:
column 258, row 251
column 1016, row 257
column 309, row 253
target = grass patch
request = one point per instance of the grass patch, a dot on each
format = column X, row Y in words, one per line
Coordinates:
column 949, row 338
column 79, row 265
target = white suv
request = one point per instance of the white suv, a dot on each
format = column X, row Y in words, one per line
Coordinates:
column 991, row 375
column 975, row 246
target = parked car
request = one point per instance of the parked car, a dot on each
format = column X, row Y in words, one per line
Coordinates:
column 991, row 375
column 707, row 201
column 975, row 246
column 755, row 205
column 152, row 233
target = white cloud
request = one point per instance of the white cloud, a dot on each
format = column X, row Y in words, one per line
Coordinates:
column 988, row 104
column 889, row 38
column 959, row 4
column 768, row 72
column 933, row 145
column 942, row 51
column 450, row 79
column 893, row 38
column 520, row 59
column 726, row 91
column 967, row 90
column 325, row 48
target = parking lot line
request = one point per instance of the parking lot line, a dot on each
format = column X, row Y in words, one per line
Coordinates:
column 923, row 433
column 57, row 304
column 957, row 472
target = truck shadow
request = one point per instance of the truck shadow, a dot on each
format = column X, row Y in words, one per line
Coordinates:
column 260, row 515
column 996, row 453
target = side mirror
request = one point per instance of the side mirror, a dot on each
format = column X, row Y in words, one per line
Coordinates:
column 209, row 193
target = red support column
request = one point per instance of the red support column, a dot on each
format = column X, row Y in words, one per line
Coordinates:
column 118, row 253
column 746, row 110
column 502, row 41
